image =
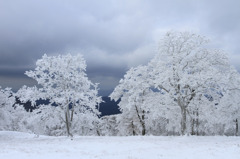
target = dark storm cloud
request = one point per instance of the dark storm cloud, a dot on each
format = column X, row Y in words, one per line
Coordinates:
column 106, row 71
column 107, row 76
column 112, row 35
column 30, row 28
column 14, row 78
column 12, row 72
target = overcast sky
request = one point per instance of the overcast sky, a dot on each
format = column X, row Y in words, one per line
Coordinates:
column 113, row 35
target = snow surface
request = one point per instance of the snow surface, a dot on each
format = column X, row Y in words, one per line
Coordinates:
column 25, row 146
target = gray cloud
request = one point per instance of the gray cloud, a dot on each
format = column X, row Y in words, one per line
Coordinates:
column 112, row 35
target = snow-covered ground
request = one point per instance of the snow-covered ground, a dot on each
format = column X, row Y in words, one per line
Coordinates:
column 25, row 146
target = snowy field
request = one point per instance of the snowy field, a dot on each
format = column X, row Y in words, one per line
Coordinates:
column 25, row 146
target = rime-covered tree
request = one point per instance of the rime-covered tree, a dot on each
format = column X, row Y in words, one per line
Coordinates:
column 185, row 71
column 7, row 101
column 63, row 81
column 184, row 85
column 229, row 106
column 133, row 90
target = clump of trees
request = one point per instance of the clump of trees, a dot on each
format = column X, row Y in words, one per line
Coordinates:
column 63, row 82
column 186, row 88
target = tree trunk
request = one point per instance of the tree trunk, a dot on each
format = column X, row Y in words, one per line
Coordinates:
column 68, row 122
column 193, row 123
column 143, row 124
column 193, row 127
column 236, row 132
column 197, row 123
column 183, row 120
column 72, row 112
column 142, row 120
column 133, row 131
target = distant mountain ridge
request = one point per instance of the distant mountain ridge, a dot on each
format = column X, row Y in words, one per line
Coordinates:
column 107, row 107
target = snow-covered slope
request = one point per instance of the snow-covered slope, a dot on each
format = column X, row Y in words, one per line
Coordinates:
column 25, row 146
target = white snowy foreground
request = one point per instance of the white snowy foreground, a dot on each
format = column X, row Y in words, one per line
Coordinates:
column 25, row 146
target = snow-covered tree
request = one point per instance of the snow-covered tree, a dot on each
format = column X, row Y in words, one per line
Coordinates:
column 181, row 90
column 229, row 106
column 12, row 114
column 109, row 125
column 29, row 94
column 7, row 101
column 63, row 81
column 133, row 90
column 185, row 70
